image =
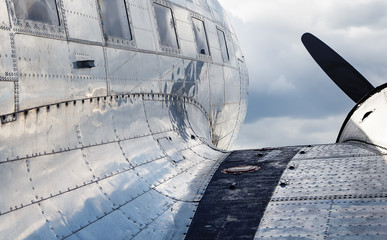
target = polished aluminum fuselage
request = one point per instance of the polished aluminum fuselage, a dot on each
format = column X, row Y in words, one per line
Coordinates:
column 37, row 61
column 124, row 146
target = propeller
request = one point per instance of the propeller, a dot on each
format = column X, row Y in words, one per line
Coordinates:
column 340, row 71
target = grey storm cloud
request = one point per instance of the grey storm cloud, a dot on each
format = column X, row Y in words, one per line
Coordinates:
column 287, row 88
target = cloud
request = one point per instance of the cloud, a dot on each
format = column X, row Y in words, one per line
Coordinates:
column 282, row 131
column 286, row 85
column 281, row 85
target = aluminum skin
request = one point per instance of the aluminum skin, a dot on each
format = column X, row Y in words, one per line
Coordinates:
column 113, row 133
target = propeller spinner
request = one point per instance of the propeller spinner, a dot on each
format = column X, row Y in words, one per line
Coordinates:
column 339, row 70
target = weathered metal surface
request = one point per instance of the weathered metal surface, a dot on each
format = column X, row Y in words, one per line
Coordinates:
column 232, row 205
column 333, row 191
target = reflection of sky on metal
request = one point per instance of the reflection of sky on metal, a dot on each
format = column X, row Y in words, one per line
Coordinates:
column 288, row 91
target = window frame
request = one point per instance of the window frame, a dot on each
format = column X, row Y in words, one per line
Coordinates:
column 118, row 41
column 163, row 48
column 38, row 28
column 225, row 44
column 201, row 19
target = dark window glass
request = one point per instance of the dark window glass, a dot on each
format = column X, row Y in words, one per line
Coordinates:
column 223, row 45
column 37, row 10
column 201, row 36
column 115, row 19
column 166, row 26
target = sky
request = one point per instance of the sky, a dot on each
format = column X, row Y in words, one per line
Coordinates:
column 291, row 100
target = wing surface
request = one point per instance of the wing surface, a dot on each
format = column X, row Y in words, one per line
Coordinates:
column 334, row 191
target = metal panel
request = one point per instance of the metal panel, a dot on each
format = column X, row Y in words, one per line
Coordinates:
column 198, row 122
column 203, row 8
column 129, row 118
column 173, row 70
column 142, row 25
column 87, row 189
column 18, row 191
column 123, row 188
column 167, row 143
column 146, row 208
column 158, row 116
column 123, row 70
column 213, row 42
column 219, row 13
column 232, row 83
column 43, row 72
column 149, row 68
column 56, row 123
column 172, row 224
column 7, row 97
column 188, row 182
column 302, row 220
column 7, row 57
column 4, row 18
column 28, row 222
column 122, row 228
column 83, row 20
column 96, row 125
column 335, row 191
column 186, row 35
column 157, row 172
column 203, row 85
column 87, row 82
column 207, row 153
column 142, row 150
column 225, row 140
column 216, row 85
column 83, row 164
column 70, row 212
column 182, row 3
column 97, row 160
column 66, row 171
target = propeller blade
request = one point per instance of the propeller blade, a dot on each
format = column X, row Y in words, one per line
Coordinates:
column 340, row 71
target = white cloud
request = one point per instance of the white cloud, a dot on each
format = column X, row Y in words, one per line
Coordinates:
column 284, row 78
column 286, row 131
column 281, row 85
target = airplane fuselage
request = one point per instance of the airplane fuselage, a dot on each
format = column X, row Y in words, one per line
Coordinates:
column 113, row 114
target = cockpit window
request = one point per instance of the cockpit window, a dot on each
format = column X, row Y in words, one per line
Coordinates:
column 115, row 19
column 166, row 25
column 37, row 10
column 223, row 45
column 201, row 36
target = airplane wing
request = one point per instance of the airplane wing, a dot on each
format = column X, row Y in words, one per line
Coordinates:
column 333, row 191
column 114, row 115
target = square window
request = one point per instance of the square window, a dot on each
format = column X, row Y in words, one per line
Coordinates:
column 223, row 45
column 44, row 11
column 115, row 19
column 201, row 37
column 166, row 26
